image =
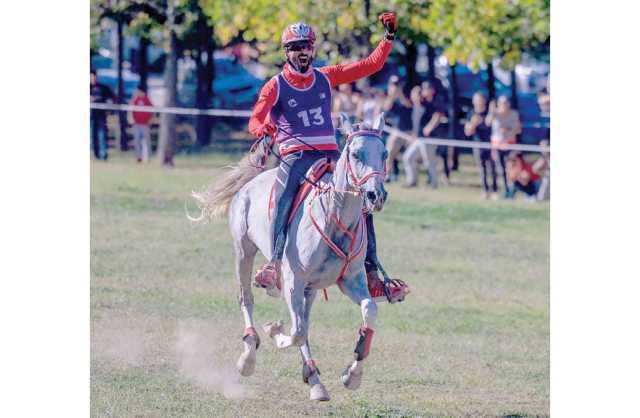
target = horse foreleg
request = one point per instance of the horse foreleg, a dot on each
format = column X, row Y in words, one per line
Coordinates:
column 356, row 289
column 293, row 291
column 310, row 372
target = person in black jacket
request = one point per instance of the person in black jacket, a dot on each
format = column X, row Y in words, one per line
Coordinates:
column 479, row 131
column 99, row 94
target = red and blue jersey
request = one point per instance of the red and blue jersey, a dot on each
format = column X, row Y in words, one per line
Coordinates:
column 306, row 89
column 303, row 115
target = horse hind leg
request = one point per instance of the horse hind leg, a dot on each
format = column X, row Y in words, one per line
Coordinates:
column 245, row 254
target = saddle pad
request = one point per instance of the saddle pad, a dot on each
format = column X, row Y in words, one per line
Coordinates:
column 315, row 173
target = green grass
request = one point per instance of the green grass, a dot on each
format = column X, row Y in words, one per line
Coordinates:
column 472, row 339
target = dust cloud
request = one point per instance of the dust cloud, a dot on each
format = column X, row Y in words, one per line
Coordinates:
column 199, row 362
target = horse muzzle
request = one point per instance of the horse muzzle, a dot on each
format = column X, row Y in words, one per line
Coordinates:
column 374, row 200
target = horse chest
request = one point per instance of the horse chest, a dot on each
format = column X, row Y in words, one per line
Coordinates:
column 323, row 266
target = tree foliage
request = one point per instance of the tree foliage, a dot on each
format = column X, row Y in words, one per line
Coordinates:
column 478, row 31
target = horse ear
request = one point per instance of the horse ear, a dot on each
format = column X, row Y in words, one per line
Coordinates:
column 379, row 124
column 345, row 124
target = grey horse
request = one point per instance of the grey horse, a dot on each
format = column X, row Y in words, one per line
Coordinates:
column 326, row 244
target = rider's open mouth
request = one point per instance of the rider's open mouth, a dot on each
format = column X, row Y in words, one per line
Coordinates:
column 303, row 59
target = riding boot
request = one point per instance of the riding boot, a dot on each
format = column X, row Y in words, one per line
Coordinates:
column 391, row 290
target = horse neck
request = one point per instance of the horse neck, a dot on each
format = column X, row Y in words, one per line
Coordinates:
column 342, row 202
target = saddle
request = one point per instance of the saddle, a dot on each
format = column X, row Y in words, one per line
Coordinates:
column 315, row 173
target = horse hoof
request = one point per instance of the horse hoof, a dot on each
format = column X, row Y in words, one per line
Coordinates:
column 274, row 292
column 350, row 379
column 246, row 364
column 318, row 393
column 273, row 328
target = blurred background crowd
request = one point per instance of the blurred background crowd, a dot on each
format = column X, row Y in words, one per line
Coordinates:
column 482, row 77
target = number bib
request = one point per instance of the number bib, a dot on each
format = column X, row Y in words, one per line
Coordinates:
column 304, row 114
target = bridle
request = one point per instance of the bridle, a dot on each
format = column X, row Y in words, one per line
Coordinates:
column 355, row 181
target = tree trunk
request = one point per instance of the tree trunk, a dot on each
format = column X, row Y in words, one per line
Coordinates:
column 168, row 120
column 410, row 63
column 201, row 99
column 453, row 116
column 491, row 82
column 122, row 115
column 204, row 88
column 142, row 61
column 514, row 90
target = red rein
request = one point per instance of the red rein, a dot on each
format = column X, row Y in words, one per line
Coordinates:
column 351, row 253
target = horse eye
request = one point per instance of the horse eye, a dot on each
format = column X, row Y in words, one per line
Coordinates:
column 385, row 155
column 355, row 155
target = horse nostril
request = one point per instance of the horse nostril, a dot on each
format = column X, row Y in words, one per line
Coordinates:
column 384, row 196
column 372, row 196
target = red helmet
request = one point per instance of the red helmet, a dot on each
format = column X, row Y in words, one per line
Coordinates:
column 299, row 31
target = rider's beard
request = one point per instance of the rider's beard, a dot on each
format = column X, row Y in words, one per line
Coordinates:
column 301, row 65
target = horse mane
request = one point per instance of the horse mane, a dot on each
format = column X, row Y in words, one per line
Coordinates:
column 214, row 201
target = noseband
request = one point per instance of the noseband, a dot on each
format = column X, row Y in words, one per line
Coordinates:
column 358, row 182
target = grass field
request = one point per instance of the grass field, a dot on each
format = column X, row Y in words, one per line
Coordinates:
column 472, row 339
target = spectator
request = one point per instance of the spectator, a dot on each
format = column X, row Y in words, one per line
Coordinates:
column 369, row 107
column 479, row 131
column 505, row 126
column 343, row 100
column 141, row 122
column 431, row 121
column 522, row 176
column 543, row 167
column 399, row 109
column 99, row 93
column 396, row 143
column 544, row 103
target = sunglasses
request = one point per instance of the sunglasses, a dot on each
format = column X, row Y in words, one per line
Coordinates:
column 299, row 46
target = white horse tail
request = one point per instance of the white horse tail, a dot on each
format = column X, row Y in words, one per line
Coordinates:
column 214, row 201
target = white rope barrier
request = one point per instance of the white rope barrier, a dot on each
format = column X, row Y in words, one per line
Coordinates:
column 467, row 144
column 247, row 113
column 175, row 110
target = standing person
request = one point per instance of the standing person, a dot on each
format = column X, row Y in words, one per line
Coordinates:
column 343, row 101
column 505, row 126
column 99, row 93
column 431, row 121
column 370, row 106
column 141, row 122
column 395, row 142
column 479, row 131
column 294, row 109
column 399, row 107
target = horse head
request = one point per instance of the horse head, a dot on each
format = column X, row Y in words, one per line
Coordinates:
column 364, row 161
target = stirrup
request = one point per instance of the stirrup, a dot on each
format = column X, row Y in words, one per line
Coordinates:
column 391, row 290
column 267, row 278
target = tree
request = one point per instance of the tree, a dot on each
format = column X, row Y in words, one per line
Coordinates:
column 195, row 34
column 476, row 32
column 166, row 140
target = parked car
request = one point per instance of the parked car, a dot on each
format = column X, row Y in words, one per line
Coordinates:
column 233, row 87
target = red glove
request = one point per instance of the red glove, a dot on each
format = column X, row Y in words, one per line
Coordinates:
column 388, row 19
column 268, row 129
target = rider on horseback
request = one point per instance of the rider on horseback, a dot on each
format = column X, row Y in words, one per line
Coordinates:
column 294, row 109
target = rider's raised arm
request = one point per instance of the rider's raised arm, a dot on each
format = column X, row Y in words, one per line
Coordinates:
column 340, row 74
column 348, row 73
column 260, row 115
